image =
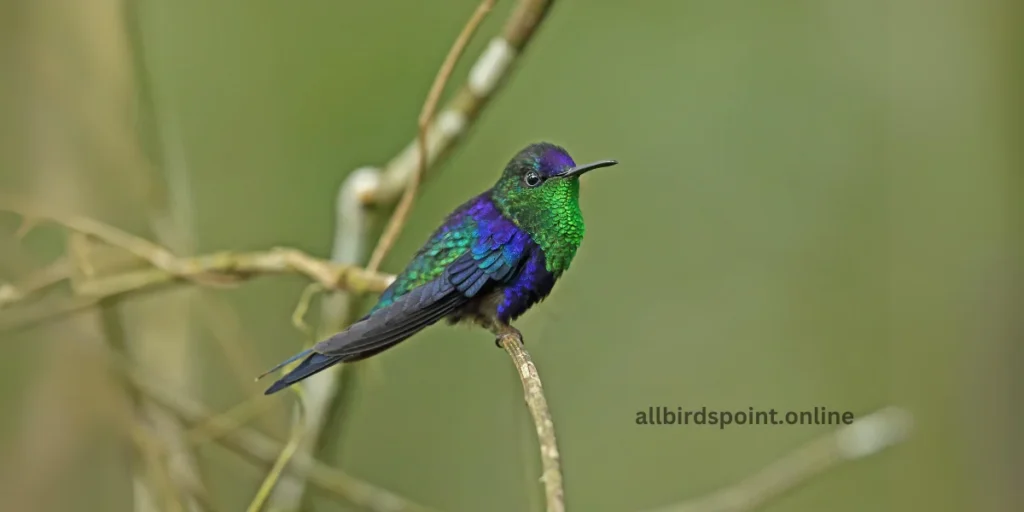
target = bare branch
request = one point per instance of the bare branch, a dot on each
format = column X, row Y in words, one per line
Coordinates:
column 533, row 392
column 320, row 397
column 401, row 213
column 40, row 280
column 213, row 269
column 33, row 314
column 153, row 454
column 485, row 79
column 226, row 266
column 864, row 437
column 265, row 451
column 234, row 418
column 294, row 441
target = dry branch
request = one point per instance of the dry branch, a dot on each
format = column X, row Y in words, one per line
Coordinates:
column 533, row 392
column 274, row 475
column 485, row 79
column 40, row 280
column 401, row 213
column 265, row 451
column 864, row 437
column 214, row 269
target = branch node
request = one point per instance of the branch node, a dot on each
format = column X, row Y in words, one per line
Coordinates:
column 874, row 432
column 491, row 66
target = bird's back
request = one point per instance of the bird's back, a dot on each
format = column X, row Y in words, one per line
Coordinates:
column 449, row 241
column 473, row 253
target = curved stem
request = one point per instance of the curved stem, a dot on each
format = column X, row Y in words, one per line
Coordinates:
column 533, row 392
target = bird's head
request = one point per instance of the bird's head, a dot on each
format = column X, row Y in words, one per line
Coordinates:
column 542, row 180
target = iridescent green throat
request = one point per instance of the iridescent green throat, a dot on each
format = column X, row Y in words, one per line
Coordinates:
column 550, row 214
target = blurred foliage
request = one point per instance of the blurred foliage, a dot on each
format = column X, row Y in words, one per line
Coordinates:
column 815, row 207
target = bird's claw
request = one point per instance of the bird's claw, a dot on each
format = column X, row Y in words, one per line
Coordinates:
column 508, row 331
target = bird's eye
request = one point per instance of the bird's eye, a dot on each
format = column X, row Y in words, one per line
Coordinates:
column 532, row 179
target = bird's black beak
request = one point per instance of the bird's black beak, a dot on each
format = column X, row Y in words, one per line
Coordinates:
column 579, row 170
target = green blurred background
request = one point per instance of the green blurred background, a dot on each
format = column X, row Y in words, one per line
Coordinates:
column 815, row 205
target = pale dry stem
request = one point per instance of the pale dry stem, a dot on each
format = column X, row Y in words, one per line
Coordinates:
column 533, row 392
column 401, row 213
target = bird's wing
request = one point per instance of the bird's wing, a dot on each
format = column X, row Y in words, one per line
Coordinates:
column 492, row 257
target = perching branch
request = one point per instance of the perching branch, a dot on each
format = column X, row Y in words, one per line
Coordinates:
column 533, row 392
column 864, row 437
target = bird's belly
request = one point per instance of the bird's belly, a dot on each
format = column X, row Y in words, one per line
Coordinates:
column 508, row 301
column 482, row 310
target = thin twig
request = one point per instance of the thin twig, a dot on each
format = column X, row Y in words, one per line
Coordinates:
column 218, row 268
column 42, row 279
column 30, row 315
column 153, row 453
column 144, row 460
column 294, row 441
column 485, row 79
column 223, row 266
column 336, row 308
column 864, row 437
column 533, row 392
column 229, row 420
column 154, row 460
column 236, row 266
column 59, row 271
column 401, row 213
column 265, row 451
column 298, row 430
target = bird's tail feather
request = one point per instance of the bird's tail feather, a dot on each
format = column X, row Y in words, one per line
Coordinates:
column 312, row 365
column 291, row 359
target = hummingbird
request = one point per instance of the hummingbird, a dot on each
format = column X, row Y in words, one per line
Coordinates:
column 492, row 259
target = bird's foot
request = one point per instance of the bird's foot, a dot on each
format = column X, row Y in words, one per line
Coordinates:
column 503, row 331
